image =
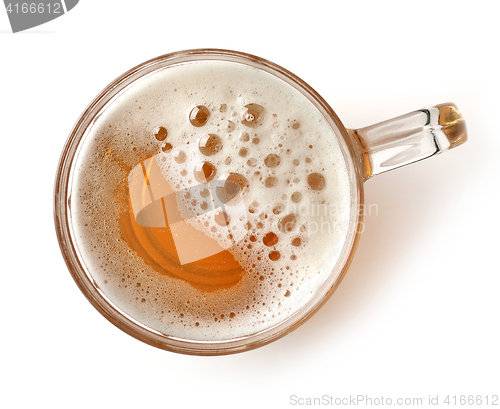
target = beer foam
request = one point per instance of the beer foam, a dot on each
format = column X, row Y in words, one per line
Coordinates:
column 286, row 231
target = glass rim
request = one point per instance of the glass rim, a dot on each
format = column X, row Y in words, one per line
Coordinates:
column 83, row 278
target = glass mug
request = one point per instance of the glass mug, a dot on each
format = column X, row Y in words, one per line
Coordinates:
column 208, row 201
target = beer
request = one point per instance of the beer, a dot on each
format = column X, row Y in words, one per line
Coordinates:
column 210, row 200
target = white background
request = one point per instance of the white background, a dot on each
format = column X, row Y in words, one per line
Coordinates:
column 417, row 313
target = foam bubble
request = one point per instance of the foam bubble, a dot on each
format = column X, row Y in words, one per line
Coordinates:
column 271, row 181
column 288, row 223
column 274, row 255
column 222, row 218
column 270, row 239
column 316, row 181
column 199, row 116
column 272, row 160
column 160, row 133
column 210, row 144
column 204, row 172
column 180, row 157
column 296, row 197
column 252, row 115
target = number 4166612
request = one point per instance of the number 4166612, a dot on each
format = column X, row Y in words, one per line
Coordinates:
column 471, row 400
column 34, row 8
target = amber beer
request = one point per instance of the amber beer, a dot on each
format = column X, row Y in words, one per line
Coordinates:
column 192, row 200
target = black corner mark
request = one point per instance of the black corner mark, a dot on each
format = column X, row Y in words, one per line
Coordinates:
column 25, row 14
column 70, row 4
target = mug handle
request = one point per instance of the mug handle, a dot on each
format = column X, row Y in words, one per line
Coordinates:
column 409, row 138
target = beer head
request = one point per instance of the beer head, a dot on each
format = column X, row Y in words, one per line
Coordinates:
column 210, row 200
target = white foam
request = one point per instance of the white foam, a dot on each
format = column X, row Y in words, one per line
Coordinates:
column 270, row 291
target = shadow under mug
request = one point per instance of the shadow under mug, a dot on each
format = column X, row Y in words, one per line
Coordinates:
column 367, row 152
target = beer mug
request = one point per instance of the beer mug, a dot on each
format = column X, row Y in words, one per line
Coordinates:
column 208, row 201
